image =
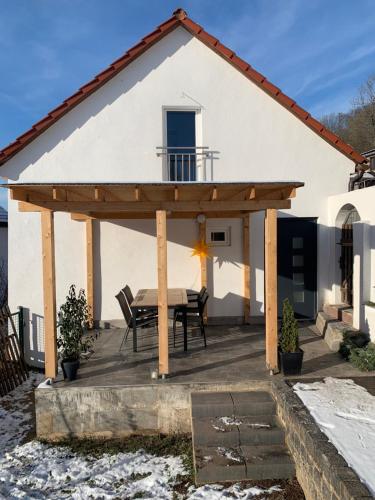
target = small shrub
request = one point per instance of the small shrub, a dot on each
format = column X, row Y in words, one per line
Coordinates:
column 346, row 345
column 363, row 358
column 289, row 329
column 73, row 317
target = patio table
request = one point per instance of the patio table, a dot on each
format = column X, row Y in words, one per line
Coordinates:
column 147, row 299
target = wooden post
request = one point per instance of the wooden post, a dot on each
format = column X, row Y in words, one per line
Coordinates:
column 203, row 262
column 161, row 234
column 90, row 269
column 49, row 293
column 246, row 266
column 270, row 287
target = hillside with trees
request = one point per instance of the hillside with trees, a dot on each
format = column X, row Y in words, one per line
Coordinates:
column 357, row 126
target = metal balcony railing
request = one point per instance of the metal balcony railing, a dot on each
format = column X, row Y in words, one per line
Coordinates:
column 182, row 163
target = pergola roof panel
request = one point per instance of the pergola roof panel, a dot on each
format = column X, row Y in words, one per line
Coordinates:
column 139, row 200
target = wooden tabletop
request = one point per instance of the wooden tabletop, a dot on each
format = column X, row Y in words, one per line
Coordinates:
column 148, row 297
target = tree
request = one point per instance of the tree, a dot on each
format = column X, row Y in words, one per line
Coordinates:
column 357, row 127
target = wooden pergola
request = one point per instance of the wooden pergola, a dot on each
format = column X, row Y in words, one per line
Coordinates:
column 107, row 201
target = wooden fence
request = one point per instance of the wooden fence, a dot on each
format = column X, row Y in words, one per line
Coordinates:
column 13, row 369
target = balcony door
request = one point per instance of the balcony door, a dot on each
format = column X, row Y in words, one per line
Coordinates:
column 181, row 156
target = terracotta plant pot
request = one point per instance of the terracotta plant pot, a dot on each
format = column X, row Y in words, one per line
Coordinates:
column 70, row 368
column 291, row 362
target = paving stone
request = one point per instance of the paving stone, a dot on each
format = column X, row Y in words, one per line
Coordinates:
column 213, row 466
column 268, row 462
column 211, row 404
column 207, row 398
column 209, row 431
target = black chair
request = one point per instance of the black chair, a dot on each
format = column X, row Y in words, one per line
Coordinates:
column 141, row 320
column 193, row 312
column 130, row 297
column 195, row 296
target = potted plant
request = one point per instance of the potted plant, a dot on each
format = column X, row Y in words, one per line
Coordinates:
column 290, row 354
column 74, row 315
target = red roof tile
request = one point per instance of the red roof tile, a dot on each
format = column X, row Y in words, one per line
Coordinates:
column 179, row 18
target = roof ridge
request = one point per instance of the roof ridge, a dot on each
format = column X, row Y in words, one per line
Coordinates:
column 179, row 18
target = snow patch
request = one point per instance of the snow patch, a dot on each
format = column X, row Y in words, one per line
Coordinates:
column 345, row 411
column 218, row 492
column 229, row 454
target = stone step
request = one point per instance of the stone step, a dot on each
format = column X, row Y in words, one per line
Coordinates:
column 221, row 464
column 237, row 431
column 340, row 312
column 237, row 437
column 218, row 404
column 347, row 316
column 332, row 330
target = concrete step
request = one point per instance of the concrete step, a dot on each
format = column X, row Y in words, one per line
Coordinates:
column 237, row 431
column 219, row 404
column 339, row 312
column 333, row 330
column 222, row 464
column 237, row 437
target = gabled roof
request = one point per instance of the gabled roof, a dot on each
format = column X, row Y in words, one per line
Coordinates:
column 179, row 18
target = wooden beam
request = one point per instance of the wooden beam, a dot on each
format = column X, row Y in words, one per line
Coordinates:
column 99, row 194
column 152, row 206
column 49, row 293
column 161, row 235
column 90, row 269
column 150, row 215
column 270, row 288
column 59, row 194
column 246, row 267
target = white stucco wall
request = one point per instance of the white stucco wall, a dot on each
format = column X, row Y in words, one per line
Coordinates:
column 363, row 200
column 113, row 135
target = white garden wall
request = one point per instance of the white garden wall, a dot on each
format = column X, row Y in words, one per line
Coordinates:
column 112, row 137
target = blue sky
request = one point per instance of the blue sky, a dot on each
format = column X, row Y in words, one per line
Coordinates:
column 317, row 51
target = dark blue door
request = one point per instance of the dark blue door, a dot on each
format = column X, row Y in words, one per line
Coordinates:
column 297, row 264
column 181, row 145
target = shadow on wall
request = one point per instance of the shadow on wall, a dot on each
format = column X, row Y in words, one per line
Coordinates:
column 89, row 108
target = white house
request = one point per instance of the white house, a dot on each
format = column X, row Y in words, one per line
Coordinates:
column 179, row 106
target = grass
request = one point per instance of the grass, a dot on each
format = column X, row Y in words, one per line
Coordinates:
column 158, row 444
column 172, row 445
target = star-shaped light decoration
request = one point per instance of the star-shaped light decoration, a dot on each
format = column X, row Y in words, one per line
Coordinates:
column 201, row 249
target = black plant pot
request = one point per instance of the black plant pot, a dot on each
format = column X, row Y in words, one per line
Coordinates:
column 291, row 362
column 70, row 368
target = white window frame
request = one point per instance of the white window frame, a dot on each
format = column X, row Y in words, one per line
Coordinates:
column 219, row 229
column 198, row 136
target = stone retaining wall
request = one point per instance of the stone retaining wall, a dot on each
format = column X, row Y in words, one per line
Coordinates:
column 322, row 473
column 122, row 410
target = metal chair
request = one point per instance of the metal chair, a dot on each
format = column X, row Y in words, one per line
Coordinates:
column 141, row 319
column 194, row 313
column 195, row 296
column 130, row 297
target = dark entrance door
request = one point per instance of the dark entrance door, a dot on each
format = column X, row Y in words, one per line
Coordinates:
column 297, row 264
column 346, row 264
